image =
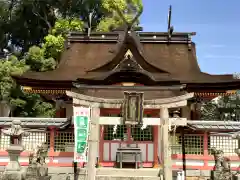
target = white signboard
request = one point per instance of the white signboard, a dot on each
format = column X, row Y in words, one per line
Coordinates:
column 81, row 130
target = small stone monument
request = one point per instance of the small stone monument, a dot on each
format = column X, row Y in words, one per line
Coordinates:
column 13, row 170
column 222, row 168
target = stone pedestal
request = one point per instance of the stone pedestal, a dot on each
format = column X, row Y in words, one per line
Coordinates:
column 13, row 169
column 14, row 152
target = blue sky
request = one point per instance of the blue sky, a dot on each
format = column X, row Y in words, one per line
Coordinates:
column 217, row 23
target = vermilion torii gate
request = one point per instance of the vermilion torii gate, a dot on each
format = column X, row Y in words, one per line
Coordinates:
column 96, row 103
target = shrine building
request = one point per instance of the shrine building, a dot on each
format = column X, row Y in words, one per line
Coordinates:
column 127, row 59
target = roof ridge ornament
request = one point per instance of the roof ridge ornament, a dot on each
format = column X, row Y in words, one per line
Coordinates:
column 88, row 25
column 128, row 63
column 170, row 28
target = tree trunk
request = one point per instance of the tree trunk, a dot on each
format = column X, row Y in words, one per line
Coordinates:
column 4, row 109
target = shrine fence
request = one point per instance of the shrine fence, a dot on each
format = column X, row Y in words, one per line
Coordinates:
column 61, row 145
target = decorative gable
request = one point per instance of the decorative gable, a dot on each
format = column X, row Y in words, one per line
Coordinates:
column 128, row 63
column 128, row 54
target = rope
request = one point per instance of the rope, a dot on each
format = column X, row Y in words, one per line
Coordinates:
column 174, row 134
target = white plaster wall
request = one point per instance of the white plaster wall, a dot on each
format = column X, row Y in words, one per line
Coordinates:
column 5, row 159
column 144, row 149
column 63, row 160
column 233, row 164
column 188, row 162
column 106, row 151
column 150, row 152
column 114, row 147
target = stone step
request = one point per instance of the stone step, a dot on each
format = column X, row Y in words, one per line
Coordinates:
column 109, row 171
column 128, row 172
column 107, row 174
column 82, row 177
column 104, row 177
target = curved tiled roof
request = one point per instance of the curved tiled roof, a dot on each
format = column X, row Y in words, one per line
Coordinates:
column 93, row 59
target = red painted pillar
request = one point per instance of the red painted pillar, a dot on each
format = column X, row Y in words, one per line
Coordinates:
column 156, row 148
column 205, row 149
column 51, row 149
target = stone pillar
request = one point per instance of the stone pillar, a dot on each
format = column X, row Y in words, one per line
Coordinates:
column 167, row 164
column 93, row 143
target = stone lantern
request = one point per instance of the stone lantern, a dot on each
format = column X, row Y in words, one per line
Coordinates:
column 13, row 170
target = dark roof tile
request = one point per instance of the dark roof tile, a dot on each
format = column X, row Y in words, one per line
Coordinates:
column 95, row 59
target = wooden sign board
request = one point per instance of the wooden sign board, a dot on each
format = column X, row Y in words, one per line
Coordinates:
column 133, row 108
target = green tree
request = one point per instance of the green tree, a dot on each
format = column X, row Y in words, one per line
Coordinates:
column 223, row 108
column 64, row 26
column 11, row 66
column 23, row 104
column 30, row 105
column 37, row 60
column 30, row 22
column 40, row 29
column 112, row 19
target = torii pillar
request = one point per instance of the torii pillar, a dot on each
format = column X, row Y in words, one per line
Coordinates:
column 163, row 104
column 167, row 164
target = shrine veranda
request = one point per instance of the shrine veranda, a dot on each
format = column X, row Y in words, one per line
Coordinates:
column 153, row 63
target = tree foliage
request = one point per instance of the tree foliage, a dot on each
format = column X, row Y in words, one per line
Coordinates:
column 11, row 66
column 112, row 20
column 225, row 108
column 35, row 31
column 30, row 105
column 38, row 61
column 64, row 26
